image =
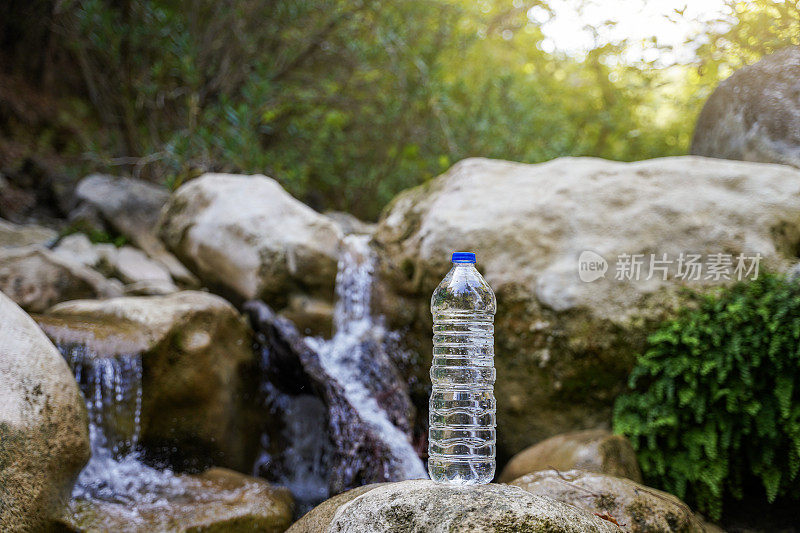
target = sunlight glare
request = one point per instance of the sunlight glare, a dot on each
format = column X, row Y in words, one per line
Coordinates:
column 577, row 27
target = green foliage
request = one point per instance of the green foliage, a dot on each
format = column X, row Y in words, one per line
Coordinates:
column 714, row 404
column 347, row 102
column 96, row 235
column 759, row 28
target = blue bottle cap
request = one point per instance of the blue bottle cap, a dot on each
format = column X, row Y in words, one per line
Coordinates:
column 463, row 257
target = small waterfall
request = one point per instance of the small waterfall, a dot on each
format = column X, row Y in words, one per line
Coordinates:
column 349, row 355
column 341, row 412
column 112, row 387
column 295, row 455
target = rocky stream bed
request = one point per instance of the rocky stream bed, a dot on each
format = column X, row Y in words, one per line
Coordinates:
column 244, row 361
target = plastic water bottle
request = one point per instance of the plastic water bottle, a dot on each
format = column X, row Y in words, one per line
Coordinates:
column 461, row 438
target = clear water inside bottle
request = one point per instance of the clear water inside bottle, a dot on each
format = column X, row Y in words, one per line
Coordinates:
column 461, row 438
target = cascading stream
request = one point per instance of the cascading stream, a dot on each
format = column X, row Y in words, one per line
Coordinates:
column 112, row 387
column 345, row 416
column 355, row 359
column 342, row 356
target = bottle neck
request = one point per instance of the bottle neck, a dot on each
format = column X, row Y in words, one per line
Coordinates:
column 463, row 270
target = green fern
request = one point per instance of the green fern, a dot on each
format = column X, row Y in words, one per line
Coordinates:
column 713, row 402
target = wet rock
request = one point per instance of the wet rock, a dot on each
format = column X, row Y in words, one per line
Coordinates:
column 247, row 237
column 635, row 507
column 564, row 347
column 218, row 500
column 44, row 439
column 13, row 235
column 36, row 278
column 755, row 114
column 422, row 505
column 592, row 451
column 312, row 316
column 132, row 208
column 355, row 451
column 199, row 376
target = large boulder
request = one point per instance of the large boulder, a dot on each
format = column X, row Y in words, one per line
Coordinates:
column 755, row 114
column 423, row 505
column 635, row 507
column 564, row 347
column 199, row 375
column 132, row 208
column 36, row 278
column 216, row 501
column 44, row 440
column 594, row 451
column 246, row 236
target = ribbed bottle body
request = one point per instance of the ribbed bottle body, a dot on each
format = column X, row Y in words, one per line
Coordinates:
column 461, row 438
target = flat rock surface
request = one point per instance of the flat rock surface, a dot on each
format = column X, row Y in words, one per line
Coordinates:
column 425, row 506
column 218, row 501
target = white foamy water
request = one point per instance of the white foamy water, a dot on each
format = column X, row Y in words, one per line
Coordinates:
column 112, row 387
column 341, row 356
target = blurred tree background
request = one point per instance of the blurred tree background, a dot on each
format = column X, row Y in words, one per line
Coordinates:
column 345, row 102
